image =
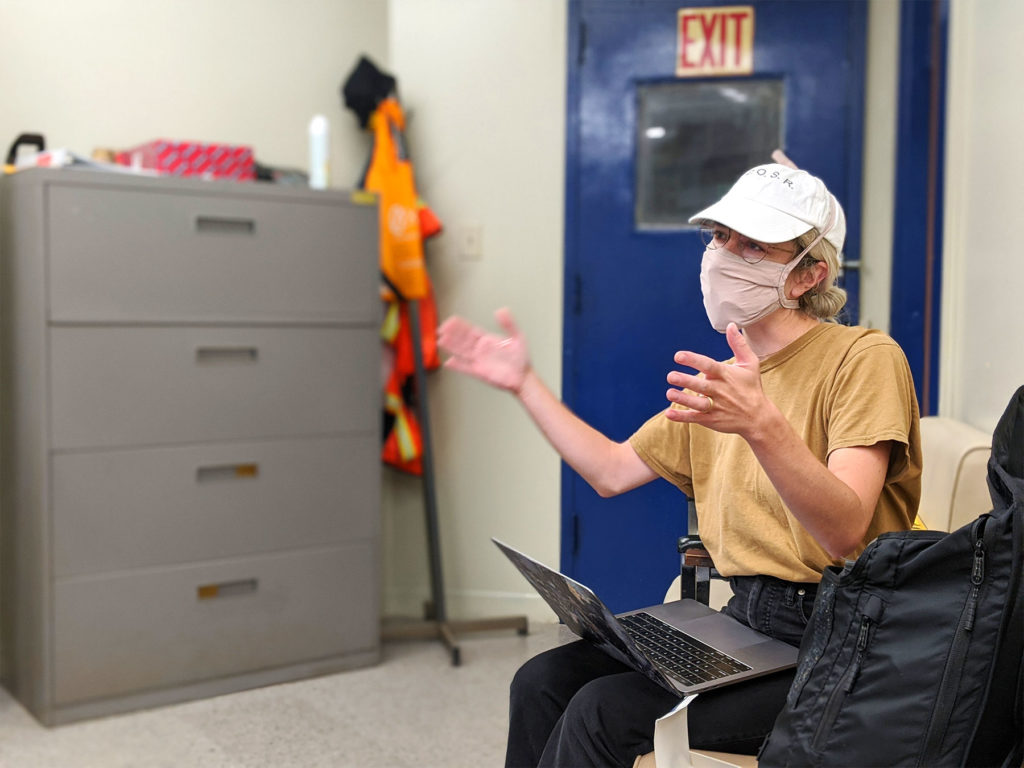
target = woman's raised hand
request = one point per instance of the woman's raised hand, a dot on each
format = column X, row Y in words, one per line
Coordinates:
column 502, row 362
column 724, row 397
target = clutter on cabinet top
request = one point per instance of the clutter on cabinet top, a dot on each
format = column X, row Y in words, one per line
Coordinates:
column 181, row 158
column 36, row 140
column 191, row 158
column 62, row 157
column 41, row 157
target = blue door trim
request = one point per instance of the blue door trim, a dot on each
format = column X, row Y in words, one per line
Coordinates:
column 917, row 234
column 571, row 290
column 852, row 202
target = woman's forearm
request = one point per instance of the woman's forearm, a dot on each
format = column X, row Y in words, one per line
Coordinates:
column 609, row 467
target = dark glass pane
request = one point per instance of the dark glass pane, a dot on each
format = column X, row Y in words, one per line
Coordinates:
column 694, row 140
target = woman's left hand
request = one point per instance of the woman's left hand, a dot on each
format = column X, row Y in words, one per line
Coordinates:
column 721, row 396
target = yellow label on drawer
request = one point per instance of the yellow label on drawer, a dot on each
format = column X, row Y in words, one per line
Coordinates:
column 207, row 591
column 362, row 197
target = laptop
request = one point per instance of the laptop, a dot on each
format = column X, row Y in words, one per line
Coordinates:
column 684, row 646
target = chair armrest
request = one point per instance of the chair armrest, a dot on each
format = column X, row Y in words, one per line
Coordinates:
column 698, row 558
column 695, row 569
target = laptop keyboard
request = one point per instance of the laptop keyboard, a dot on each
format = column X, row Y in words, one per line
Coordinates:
column 682, row 656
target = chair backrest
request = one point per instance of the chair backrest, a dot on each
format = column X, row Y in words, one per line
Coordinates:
column 954, row 486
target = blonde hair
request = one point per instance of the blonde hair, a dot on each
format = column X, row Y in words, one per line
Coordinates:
column 825, row 300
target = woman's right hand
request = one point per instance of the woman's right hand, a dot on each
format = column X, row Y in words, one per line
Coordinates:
column 502, row 362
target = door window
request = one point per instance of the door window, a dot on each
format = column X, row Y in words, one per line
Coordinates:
column 695, row 139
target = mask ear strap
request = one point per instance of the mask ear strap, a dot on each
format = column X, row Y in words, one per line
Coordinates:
column 833, row 219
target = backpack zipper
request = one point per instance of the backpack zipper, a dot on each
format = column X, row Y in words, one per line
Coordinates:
column 845, row 685
column 946, row 696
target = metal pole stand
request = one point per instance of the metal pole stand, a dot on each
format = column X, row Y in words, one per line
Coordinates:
column 436, row 623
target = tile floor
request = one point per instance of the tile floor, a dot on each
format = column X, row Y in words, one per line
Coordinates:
column 413, row 710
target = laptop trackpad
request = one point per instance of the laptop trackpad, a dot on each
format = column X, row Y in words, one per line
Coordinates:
column 679, row 611
column 713, row 628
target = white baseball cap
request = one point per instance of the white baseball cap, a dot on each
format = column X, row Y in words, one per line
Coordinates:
column 774, row 204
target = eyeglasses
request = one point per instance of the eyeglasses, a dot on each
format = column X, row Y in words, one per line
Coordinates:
column 715, row 236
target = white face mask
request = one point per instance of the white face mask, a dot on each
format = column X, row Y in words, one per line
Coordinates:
column 736, row 291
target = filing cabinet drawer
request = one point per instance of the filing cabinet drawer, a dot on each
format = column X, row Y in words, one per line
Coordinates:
column 152, row 629
column 116, row 510
column 120, row 254
column 127, row 386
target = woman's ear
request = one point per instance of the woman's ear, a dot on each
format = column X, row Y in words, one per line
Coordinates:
column 803, row 280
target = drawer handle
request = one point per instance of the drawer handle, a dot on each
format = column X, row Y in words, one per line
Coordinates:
column 227, row 472
column 226, row 589
column 227, row 354
column 220, row 225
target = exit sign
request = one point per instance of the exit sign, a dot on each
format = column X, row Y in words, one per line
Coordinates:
column 715, row 41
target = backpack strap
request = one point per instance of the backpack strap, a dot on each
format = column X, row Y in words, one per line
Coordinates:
column 1016, row 755
column 1015, row 637
column 1006, row 479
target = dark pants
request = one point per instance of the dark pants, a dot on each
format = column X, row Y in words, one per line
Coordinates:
column 576, row 706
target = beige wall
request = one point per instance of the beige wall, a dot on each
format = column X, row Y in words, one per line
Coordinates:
column 982, row 311
column 877, row 200
column 485, row 85
column 115, row 73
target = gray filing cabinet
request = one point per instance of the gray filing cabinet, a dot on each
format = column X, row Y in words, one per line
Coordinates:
column 190, row 438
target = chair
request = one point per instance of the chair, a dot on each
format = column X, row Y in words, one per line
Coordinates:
column 954, row 479
column 954, row 491
column 698, row 579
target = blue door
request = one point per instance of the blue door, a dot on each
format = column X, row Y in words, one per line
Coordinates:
column 663, row 116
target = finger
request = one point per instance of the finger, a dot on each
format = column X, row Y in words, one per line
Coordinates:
column 449, row 323
column 683, row 415
column 738, row 344
column 707, row 365
column 689, row 400
column 447, row 332
column 694, row 383
column 450, row 333
column 459, row 338
column 506, row 321
column 674, row 414
column 453, row 327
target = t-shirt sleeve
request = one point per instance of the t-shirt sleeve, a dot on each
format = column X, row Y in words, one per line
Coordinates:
column 664, row 446
column 874, row 400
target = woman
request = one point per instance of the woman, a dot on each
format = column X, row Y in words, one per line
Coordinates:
column 797, row 452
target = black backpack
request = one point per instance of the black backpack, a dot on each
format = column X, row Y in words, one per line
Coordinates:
column 912, row 656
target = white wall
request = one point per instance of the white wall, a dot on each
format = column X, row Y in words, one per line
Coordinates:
column 983, row 269
column 878, row 197
column 116, row 73
column 484, row 83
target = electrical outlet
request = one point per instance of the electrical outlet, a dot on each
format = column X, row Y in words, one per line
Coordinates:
column 471, row 242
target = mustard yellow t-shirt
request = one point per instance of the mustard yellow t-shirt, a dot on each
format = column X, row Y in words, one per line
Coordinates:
column 838, row 387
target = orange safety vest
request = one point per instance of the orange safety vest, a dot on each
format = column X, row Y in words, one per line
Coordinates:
column 405, row 221
column 390, row 176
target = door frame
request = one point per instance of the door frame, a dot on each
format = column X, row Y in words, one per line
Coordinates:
column 915, row 308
